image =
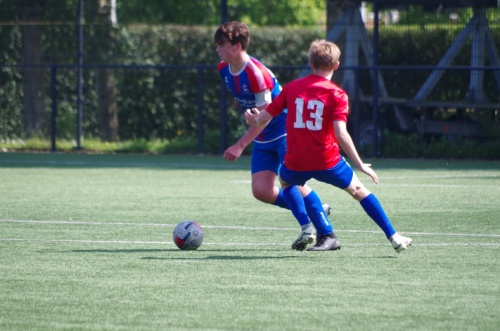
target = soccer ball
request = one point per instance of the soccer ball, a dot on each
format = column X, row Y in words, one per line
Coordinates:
column 188, row 235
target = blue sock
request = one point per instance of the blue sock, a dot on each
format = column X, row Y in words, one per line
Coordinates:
column 317, row 215
column 296, row 204
column 280, row 200
column 374, row 209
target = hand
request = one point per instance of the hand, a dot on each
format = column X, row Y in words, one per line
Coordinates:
column 367, row 169
column 233, row 153
column 251, row 116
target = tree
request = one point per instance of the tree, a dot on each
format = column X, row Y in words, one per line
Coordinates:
column 168, row 11
column 258, row 12
column 278, row 12
column 106, row 87
column 335, row 9
column 31, row 15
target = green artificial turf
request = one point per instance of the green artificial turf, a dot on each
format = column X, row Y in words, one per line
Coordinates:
column 86, row 244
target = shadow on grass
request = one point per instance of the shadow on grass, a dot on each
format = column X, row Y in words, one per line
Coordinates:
column 235, row 257
column 117, row 250
column 198, row 254
column 225, row 257
column 172, row 250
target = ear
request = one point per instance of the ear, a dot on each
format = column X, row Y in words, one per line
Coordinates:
column 337, row 65
column 311, row 65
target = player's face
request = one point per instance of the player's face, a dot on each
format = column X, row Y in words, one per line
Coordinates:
column 228, row 52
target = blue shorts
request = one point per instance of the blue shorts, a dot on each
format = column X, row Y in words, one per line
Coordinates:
column 268, row 156
column 339, row 176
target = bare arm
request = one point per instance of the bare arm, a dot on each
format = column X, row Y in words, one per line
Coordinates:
column 263, row 99
column 345, row 141
column 257, row 118
column 254, row 131
column 250, row 136
column 234, row 152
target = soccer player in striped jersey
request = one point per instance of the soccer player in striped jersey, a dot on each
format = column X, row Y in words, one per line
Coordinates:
column 254, row 86
column 317, row 129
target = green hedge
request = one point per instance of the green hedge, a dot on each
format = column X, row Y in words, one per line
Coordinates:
column 162, row 102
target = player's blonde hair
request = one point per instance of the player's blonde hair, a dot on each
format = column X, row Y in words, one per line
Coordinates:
column 324, row 54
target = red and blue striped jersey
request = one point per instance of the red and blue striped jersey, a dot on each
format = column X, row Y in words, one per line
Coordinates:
column 244, row 85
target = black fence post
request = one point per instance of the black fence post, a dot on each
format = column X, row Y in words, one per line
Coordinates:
column 79, row 77
column 356, row 107
column 53, row 117
column 223, row 92
column 201, row 145
column 375, row 78
column 223, row 11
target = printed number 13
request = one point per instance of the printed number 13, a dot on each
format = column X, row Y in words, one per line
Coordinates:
column 316, row 121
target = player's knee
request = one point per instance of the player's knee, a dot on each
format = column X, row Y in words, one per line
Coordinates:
column 264, row 195
column 358, row 192
column 361, row 193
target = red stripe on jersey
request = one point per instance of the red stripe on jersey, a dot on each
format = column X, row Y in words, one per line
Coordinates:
column 237, row 85
column 260, row 79
column 222, row 65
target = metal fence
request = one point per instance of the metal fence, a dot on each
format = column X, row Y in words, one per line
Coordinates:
column 376, row 106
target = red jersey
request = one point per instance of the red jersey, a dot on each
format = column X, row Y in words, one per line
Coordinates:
column 313, row 104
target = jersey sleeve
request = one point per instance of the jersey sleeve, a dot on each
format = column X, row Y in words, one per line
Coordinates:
column 279, row 104
column 259, row 77
column 221, row 65
column 341, row 108
column 263, row 98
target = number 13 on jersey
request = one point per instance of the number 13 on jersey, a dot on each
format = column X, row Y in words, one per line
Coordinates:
column 315, row 120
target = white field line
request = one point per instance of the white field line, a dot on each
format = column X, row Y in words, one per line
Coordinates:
column 443, row 186
column 462, row 174
column 71, row 222
column 384, row 184
column 136, row 242
column 489, row 187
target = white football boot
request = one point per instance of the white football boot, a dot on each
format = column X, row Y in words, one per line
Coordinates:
column 399, row 242
column 307, row 236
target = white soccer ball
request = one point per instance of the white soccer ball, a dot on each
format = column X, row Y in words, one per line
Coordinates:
column 188, row 235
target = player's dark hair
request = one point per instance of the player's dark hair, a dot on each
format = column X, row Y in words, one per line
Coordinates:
column 234, row 32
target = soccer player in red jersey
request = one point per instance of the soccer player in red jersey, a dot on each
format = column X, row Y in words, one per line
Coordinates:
column 317, row 129
column 253, row 85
